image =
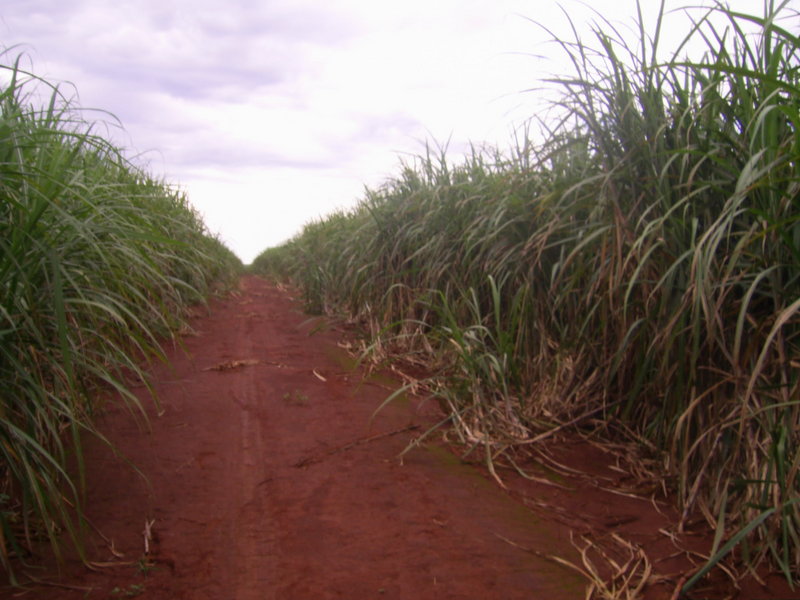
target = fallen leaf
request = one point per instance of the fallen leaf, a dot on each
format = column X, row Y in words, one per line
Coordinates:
column 233, row 364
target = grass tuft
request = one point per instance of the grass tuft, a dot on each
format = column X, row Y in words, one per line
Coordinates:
column 98, row 263
column 640, row 266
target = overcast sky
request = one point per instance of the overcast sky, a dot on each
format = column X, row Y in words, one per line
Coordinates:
column 270, row 113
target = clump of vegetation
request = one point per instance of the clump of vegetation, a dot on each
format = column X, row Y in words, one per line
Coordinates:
column 641, row 266
column 98, row 262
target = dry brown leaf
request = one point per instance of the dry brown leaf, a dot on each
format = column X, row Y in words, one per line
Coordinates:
column 233, row 364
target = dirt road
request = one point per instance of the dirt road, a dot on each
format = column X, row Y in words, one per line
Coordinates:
column 267, row 479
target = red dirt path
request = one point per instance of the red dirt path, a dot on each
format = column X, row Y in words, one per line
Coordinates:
column 268, row 480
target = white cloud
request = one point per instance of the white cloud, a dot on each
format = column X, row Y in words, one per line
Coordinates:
column 271, row 112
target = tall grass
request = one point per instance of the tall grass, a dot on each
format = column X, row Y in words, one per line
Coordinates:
column 98, row 261
column 640, row 266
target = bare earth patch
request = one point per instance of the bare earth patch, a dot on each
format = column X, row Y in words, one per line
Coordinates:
column 261, row 475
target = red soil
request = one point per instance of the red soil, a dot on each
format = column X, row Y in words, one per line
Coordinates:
column 262, row 475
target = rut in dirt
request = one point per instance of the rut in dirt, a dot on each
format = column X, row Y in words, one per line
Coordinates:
column 268, row 478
